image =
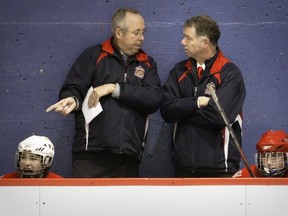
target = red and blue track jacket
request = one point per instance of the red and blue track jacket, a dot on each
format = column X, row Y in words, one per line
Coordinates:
column 201, row 139
column 121, row 127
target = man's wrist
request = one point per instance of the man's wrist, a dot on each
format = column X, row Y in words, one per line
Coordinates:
column 116, row 92
column 77, row 102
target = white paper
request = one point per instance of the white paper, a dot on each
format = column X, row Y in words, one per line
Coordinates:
column 90, row 113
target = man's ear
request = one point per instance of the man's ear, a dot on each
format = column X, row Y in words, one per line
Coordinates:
column 206, row 41
column 118, row 33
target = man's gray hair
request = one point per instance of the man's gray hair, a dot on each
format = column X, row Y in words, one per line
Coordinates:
column 119, row 17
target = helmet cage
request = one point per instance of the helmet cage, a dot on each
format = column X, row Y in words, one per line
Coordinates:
column 45, row 162
column 272, row 164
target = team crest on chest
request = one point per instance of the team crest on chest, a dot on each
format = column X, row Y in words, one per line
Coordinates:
column 139, row 72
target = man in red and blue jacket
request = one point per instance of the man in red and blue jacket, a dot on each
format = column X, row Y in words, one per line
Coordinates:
column 125, row 81
column 202, row 146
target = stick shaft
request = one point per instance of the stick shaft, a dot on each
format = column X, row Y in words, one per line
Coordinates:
column 231, row 131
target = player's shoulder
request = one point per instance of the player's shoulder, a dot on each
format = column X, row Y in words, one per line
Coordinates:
column 10, row 175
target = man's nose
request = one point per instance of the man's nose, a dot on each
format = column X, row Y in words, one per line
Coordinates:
column 183, row 41
column 141, row 37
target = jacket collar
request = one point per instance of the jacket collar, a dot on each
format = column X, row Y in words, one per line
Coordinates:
column 111, row 48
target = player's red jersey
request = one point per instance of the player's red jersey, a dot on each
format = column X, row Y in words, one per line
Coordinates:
column 16, row 175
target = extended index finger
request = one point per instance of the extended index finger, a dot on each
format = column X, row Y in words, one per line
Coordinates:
column 52, row 107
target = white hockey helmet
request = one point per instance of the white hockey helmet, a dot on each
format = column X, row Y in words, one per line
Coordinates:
column 36, row 148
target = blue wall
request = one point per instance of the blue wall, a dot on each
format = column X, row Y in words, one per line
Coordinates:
column 40, row 39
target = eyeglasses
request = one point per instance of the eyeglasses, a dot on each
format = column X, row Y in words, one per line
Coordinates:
column 136, row 33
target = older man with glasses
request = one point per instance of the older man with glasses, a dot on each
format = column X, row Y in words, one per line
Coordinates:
column 125, row 81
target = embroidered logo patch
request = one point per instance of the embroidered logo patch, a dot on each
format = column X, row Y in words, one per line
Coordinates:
column 139, row 72
column 207, row 92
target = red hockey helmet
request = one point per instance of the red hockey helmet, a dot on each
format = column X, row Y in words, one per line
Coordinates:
column 271, row 159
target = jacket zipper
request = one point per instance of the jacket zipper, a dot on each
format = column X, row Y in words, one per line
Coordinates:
column 125, row 74
column 195, row 91
column 196, row 85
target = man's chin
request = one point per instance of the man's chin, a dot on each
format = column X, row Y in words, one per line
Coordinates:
column 134, row 51
column 138, row 47
column 186, row 51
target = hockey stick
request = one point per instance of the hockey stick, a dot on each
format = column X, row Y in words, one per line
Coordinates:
column 210, row 87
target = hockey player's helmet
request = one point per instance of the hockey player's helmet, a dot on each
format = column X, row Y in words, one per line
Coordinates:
column 271, row 159
column 34, row 157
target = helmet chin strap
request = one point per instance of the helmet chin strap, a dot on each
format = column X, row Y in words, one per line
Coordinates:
column 271, row 172
column 28, row 173
column 41, row 175
column 274, row 173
